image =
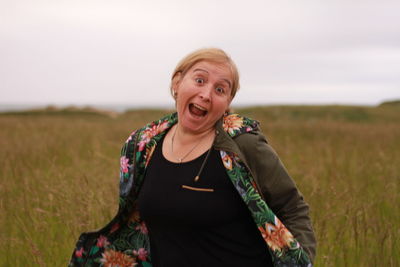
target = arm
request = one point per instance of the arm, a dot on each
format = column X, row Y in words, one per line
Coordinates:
column 278, row 188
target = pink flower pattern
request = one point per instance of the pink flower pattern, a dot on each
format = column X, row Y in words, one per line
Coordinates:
column 79, row 253
column 124, row 164
column 142, row 227
column 102, row 241
column 150, row 132
column 130, row 137
column 141, row 254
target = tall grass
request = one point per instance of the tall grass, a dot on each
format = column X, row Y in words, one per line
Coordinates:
column 59, row 177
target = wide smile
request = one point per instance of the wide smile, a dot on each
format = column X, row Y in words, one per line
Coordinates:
column 197, row 110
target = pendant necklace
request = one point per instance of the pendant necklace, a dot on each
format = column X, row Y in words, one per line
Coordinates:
column 187, row 154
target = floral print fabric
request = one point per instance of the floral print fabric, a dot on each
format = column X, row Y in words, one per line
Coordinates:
column 124, row 241
column 284, row 248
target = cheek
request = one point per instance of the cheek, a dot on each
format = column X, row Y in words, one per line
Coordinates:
column 226, row 104
column 180, row 102
column 222, row 107
column 181, row 91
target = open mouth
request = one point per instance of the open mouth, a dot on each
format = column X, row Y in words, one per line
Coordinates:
column 197, row 110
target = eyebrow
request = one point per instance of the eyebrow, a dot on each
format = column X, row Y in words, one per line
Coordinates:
column 226, row 80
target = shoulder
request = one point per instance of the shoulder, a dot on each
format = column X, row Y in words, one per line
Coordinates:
column 235, row 124
column 160, row 125
column 154, row 128
column 256, row 150
column 247, row 134
column 147, row 133
column 253, row 147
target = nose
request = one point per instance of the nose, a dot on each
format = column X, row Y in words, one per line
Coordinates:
column 205, row 93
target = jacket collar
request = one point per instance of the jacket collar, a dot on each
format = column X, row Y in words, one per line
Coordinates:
column 228, row 127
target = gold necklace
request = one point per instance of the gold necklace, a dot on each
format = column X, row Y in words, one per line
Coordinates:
column 197, row 177
column 187, row 154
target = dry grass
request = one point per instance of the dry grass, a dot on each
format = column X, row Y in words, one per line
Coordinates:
column 59, row 177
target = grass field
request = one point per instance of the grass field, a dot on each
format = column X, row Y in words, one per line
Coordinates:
column 59, row 177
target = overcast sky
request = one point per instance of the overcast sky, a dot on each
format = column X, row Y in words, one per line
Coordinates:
column 123, row 52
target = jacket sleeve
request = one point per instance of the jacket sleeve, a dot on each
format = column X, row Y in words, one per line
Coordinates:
column 278, row 189
column 127, row 166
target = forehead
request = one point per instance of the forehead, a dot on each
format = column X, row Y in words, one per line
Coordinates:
column 219, row 70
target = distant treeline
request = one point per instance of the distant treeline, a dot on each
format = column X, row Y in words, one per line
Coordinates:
column 385, row 112
column 390, row 103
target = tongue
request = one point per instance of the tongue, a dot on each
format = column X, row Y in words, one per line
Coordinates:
column 197, row 111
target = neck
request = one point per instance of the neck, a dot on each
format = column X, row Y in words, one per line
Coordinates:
column 185, row 137
column 180, row 146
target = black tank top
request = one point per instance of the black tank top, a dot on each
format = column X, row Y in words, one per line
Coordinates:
column 194, row 228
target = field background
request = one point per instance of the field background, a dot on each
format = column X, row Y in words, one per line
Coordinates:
column 59, row 177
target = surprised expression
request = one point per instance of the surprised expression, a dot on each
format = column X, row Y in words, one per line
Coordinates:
column 203, row 94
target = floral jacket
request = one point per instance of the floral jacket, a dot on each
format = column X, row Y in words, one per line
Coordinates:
column 124, row 241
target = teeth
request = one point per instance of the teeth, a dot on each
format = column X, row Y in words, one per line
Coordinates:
column 199, row 107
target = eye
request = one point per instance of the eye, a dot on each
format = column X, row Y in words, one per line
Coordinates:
column 220, row 90
column 199, row 80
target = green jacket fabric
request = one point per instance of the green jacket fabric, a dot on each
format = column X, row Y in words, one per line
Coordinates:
column 276, row 205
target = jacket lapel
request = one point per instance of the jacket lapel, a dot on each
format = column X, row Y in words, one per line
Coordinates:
column 284, row 248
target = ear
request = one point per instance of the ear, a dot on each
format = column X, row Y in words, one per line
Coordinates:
column 175, row 81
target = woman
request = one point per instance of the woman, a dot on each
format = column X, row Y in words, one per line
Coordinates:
column 202, row 187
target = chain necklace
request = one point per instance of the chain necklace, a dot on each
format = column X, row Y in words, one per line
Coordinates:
column 187, row 154
column 197, row 177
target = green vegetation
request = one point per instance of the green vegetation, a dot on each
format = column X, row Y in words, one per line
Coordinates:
column 59, row 177
column 391, row 103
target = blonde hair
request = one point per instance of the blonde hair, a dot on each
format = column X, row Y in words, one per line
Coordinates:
column 214, row 55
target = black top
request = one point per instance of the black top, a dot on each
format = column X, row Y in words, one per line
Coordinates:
column 198, row 228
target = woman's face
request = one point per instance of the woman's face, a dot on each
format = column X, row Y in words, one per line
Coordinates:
column 203, row 95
